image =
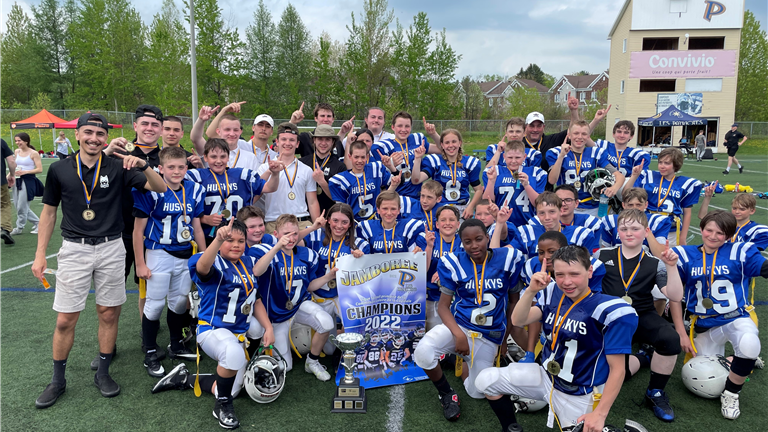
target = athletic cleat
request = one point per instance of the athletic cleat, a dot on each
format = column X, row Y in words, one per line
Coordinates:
column 50, row 395
column 726, row 172
column 183, row 354
column 659, row 402
column 314, row 367
column 106, row 385
column 224, row 411
column 6, row 236
column 95, row 361
column 187, row 334
column 153, row 365
column 741, row 169
column 177, row 379
column 451, row 409
column 759, row 363
column 729, row 405
column 514, row 427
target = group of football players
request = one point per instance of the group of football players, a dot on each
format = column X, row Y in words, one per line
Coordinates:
column 524, row 255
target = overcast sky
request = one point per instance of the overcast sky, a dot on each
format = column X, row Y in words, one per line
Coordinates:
column 493, row 36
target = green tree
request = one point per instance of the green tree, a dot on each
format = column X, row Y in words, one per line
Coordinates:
column 167, row 58
column 436, row 100
column 324, row 85
column 752, row 87
column 49, row 27
column 293, row 59
column 474, row 102
column 219, row 55
column 534, row 72
column 261, row 42
column 409, row 62
column 524, row 100
column 581, row 73
column 41, row 101
column 20, row 61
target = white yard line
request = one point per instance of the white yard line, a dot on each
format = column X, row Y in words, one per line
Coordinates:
column 732, row 167
column 24, row 265
column 396, row 409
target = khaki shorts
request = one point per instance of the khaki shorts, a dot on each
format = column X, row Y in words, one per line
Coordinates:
column 270, row 226
column 79, row 264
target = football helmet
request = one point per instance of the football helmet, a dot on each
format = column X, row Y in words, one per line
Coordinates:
column 301, row 336
column 398, row 340
column 527, row 404
column 375, row 337
column 420, row 330
column 264, row 376
column 705, row 376
column 386, row 335
column 597, row 180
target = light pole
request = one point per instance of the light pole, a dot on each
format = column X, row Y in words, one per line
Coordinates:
column 193, row 58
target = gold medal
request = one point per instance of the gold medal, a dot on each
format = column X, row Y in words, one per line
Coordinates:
column 291, row 196
column 516, row 175
column 480, row 319
column 185, row 234
column 332, row 283
column 130, row 146
column 708, row 303
column 246, row 309
column 627, row 299
column 454, row 195
column 553, row 368
column 90, row 215
column 226, row 213
column 319, row 190
column 577, row 184
column 407, row 175
column 362, row 213
column 289, row 305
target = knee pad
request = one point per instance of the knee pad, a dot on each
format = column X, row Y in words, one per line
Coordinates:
column 255, row 329
column 178, row 304
column 325, row 321
column 668, row 343
column 485, row 379
column 742, row 366
column 424, row 356
column 749, row 346
column 153, row 308
column 234, row 357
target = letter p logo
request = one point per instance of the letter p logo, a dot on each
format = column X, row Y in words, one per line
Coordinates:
column 406, row 277
column 713, row 8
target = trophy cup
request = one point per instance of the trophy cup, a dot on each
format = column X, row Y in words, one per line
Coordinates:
column 350, row 396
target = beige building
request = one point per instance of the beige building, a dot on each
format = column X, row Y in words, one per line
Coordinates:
column 680, row 52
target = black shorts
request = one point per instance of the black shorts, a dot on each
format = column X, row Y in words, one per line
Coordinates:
column 658, row 332
column 732, row 151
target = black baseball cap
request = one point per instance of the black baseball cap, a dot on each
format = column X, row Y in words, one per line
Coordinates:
column 145, row 110
column 287, row 127
column 93, row 119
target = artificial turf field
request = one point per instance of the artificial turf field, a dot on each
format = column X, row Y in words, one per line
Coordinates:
column 27, row 323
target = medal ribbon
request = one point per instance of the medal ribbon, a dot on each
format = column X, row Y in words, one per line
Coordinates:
column 453, row 172
column 557, row 326
column 618, row 157
column 325, row 161
column 659, row 200
column 362, row 189
column 246, row 280
column 405, row 151
column 442, row 242
column 735, row 236
column 538, row 143
column 389, row 250
column 266, row 152
column 634, row 272
column 330, row 249
column 578, row 165
column 184, row 196
column 711, row 279
column 88, row 194
column 291, row 180
column 237, row 157
column 430, row 218
column 479, row 286
column 288, row 278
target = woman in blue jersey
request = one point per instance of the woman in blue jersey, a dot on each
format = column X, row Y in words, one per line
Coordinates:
column 230, row 309
column 334, row 240
column 474, row 287
column 452, row 169
column 716, row 278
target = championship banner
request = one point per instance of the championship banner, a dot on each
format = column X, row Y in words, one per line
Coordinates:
column 384, row 296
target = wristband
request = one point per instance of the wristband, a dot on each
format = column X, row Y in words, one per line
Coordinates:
column 144, row 168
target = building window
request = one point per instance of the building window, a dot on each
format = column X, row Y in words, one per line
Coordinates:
column 651, row 86
column 557, row 97
column 704, row 84
column 622, row 87
column 594, row 95
column 706, row 43
column 582, row 96
column 660, row 44
column 490, row 102
column 624, row 46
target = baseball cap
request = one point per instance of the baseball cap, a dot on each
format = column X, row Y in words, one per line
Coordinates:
column 324, row 130
column 263, row 117
column 92, row 119
column 145, row 110
column 532, row 117
column 735, row 125
column 287, row 127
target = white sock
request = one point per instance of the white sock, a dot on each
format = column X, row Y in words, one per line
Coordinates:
column 728, row 169
column 740, row 166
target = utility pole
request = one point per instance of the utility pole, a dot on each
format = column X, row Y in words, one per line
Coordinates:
column 193, row 58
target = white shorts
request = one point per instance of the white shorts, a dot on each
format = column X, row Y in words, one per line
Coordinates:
column 741, row 333
column 79, row 264
column 170, row 279
column 530, row 380
column 589, row 211
column 433, row 318
column 310, row 314
column 331, row 306
column 440, row 340
column 672, row 237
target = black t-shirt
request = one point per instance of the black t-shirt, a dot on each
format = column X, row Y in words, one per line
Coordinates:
column 545, row 143
column 153, row 159
column 6, row 151
column 307, row 148
column 332, row 167
column 732, row 138
column 62, row 185
column 652, row 272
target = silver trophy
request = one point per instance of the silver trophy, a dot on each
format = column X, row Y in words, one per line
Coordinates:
column 350, row 396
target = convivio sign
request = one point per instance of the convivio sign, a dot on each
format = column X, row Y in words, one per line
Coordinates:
column 683, row 64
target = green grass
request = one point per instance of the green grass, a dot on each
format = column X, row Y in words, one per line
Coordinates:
column 25, row 354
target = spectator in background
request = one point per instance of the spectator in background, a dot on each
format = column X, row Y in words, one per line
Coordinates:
column 732, row 143
column 701, row 144
column 5, row 196
column 323, row 114
column 63, row 146
column 28, row 164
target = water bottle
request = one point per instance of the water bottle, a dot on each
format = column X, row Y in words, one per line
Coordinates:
column 737, row 188
column 602, row 210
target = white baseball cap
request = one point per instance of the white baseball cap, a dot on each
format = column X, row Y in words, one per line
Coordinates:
column 532, row 117
column 264, row 117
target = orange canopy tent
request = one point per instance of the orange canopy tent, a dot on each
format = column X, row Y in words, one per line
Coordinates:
column 41, row 120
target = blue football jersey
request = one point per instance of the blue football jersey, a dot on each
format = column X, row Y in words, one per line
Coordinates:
column 532, row 156
column 591, row 158
column 397, row 354
column 389, row 146
column 752, row 232
column 274, row 291
column 527, row 239
column 165, row 215
column 232, row 190
column 412, row 209
column 669, row 197
column 585, row 220
column 533, row 265
column 455, row 178
column 629, row 157
column 400, row 239
column 224, row 292
column 334, row 250
column 735, row 265
column 457, row 278
column 507, row 192
column 440, row 249
column 360, row 191
column 374, row 354
column 609, row 232
column 599, row 325
column 512, row 235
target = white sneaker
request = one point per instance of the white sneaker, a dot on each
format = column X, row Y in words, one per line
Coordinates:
column 34, row 230
column 16, row 231
column 729, row 405
column 314, row 366
column 759, row 363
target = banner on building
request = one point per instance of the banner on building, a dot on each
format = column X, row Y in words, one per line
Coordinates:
column 384, row 296
column 682, row 64
column 689, row 103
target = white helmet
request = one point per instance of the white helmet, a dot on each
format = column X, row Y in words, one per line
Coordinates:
column 705, row 376
column 264, row 377
column 597, row 180
column 302, row 337
column 527, row 404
